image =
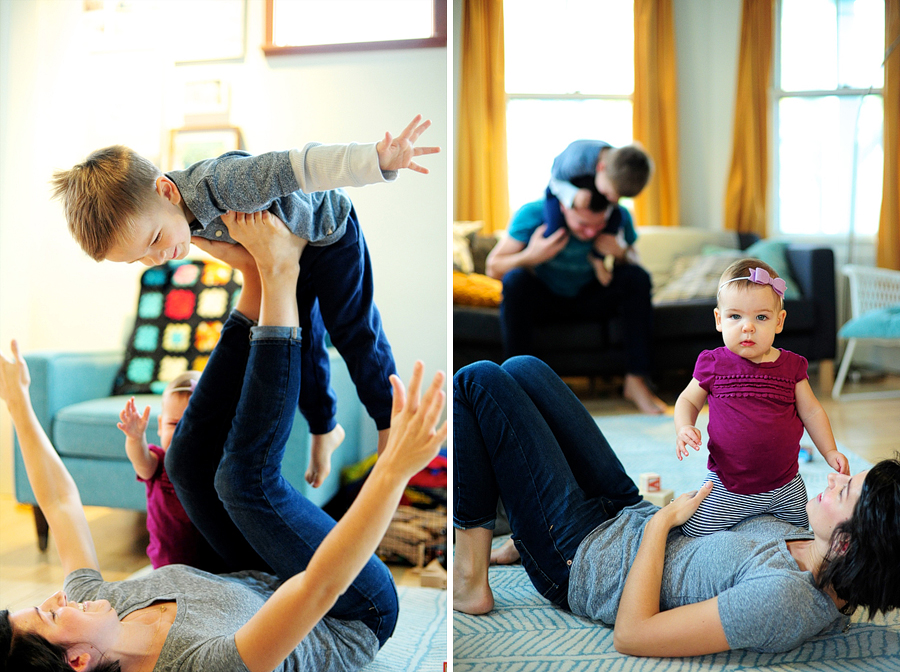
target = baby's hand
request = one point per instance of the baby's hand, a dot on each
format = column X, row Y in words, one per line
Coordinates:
column 687, row 436
column 133, row 424
column 838, row 462
column 396, row 153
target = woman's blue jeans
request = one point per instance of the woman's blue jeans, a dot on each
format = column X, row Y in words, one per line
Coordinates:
column 521, row 435
column 225, row 464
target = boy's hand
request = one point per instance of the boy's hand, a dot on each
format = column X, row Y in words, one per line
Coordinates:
column 838, row 461
column 396, row 153
column 582, row 199
column 14, row 376
column 687, row 436
column 132, row 423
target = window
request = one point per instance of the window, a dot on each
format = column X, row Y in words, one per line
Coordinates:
column 313, row 26
column 556, row 89
column 829, row 116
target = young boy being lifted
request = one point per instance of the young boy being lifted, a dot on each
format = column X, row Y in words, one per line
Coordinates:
column 120, row 207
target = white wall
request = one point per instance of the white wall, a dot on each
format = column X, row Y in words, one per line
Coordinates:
column 59, row 101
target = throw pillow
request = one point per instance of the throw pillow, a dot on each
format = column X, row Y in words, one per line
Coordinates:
column 771, row 252
column 474, row 289
column 181, row 310
column 695, row 277
column 880, row 323
column 462, row 253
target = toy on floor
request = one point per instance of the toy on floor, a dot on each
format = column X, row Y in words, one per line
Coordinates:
column 650, row 487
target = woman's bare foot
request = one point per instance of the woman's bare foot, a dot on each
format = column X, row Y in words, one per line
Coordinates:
column 640, row 395
column 506, row 554
column 471, row 555
column 320, row 450
column 271, row 244
column 471, row 594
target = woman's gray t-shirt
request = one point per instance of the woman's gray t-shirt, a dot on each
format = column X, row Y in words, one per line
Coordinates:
column 211, row 608
column 766, row 603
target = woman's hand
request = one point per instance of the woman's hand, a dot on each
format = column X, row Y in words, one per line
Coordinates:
column 414, row 439
column 14, row 376
column 677, row 512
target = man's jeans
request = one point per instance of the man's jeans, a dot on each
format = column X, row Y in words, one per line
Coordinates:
column 520, row 434
column 225, row 464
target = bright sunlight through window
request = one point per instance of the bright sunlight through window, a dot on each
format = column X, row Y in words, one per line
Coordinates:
column 830, row 115
column 556, row 89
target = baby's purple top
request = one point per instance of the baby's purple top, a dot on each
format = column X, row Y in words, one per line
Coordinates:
column 173, row 538
column 754, row 429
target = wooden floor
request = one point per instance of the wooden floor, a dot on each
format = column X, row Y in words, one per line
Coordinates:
column 869, row 428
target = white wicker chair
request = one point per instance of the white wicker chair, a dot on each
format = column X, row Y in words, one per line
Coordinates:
column 871, row 289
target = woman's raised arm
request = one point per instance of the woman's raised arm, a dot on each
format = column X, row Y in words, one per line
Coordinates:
column 53, row 487
column 302, row 601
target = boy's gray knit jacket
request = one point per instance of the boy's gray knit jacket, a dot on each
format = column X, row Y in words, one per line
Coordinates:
column 301, row 187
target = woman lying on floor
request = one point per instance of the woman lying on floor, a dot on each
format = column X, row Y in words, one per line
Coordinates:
column 591, row 545
column 332, row 605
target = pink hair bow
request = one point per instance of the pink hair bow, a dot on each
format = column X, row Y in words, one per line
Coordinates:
column 761, row 277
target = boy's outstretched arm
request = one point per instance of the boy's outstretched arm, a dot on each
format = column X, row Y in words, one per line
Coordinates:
column 396, row 153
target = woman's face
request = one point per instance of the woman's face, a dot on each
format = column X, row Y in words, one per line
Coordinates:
column 835, row 504
column 70, row 623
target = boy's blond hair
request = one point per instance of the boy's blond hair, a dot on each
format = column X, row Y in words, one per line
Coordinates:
column 103, row 195
column 628, row 168
column 183, row 383
column 741, row 269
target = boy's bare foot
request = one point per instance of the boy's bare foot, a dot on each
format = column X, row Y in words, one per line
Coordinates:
column 637, row 392
column 506, row 554
column 320, row 450
column 272, row 245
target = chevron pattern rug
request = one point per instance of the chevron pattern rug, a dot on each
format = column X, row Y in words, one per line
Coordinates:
column 525, row 633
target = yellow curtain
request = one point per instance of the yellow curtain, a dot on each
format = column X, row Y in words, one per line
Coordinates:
column 889, row 226
column 745, row 195
column 655, row 115
column 482, row 192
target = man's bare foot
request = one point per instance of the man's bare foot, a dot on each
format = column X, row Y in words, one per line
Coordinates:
column 637, row 392
column 320, row 450
column 506, row 554
column 471, row 594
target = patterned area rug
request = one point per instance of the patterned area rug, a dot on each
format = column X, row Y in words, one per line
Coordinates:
column 525, row 633
column 419, row 643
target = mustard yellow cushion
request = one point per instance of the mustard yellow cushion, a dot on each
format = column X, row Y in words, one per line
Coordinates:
column 474, row 289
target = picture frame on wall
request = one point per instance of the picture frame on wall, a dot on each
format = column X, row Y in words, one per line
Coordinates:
column 190, row 145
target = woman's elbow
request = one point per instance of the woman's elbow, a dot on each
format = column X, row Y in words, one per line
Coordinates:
column 624, row 642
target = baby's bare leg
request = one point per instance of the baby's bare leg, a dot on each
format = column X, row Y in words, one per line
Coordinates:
column 320, row 450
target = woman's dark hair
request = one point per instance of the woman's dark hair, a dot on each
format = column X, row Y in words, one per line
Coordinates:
column 862, row 563
column 28, row 652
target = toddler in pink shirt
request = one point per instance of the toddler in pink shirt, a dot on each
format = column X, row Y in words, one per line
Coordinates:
column 760, row 401
column 173, row 537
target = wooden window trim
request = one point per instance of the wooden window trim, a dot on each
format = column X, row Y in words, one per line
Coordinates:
column 437, row 39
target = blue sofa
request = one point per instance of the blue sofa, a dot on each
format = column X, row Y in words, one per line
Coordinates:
column 71, row 397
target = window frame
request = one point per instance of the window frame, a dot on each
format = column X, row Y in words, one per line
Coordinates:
column 438, row 37
column 778, row 94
